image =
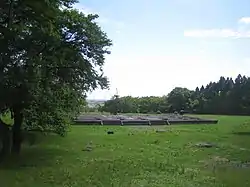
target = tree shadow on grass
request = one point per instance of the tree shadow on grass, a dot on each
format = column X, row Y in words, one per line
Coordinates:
column 242, row 133
column 35, row 157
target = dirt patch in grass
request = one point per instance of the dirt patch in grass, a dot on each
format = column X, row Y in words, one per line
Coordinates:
column 218, row 161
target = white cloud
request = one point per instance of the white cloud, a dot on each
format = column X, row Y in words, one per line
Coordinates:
column 118, row 31
column 88, row 10
column 240, row 32
column 246, row 62
column 245, row 20
column 218, row 33
column 117, row 25
column 157, row 75
column 84, row 9
column 138, row 76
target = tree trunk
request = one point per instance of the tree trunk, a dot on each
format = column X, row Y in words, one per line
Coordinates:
column 5, row 138
column 16, row 130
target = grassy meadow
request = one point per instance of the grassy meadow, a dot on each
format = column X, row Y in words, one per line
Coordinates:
column 136, row 156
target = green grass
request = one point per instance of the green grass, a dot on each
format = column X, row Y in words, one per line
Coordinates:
column 137, row 156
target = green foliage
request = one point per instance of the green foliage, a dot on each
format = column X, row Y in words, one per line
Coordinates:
column 51, row 55
column 223, row 97
column 113, row 105
column 179, row 99
column 135, row 105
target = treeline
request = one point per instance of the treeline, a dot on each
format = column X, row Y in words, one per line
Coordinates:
column 226, row 96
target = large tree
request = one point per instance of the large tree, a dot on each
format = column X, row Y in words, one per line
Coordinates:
column 179, row 99
column 50, row 56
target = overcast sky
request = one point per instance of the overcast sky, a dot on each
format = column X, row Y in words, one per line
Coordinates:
column 161, row 44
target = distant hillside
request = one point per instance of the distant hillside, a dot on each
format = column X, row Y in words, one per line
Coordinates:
column 93, row 102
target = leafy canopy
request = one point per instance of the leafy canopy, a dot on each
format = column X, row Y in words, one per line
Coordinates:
column 50, row 56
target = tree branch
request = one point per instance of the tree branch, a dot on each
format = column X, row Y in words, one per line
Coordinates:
column 10, row 14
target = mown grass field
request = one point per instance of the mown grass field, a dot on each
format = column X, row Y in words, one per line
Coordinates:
column 136, row 156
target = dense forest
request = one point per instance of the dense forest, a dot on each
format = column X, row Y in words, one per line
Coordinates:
column 226, row 96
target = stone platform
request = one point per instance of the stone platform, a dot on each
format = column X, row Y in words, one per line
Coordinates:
column 163, row 119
